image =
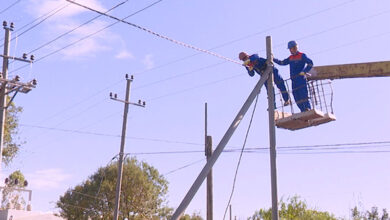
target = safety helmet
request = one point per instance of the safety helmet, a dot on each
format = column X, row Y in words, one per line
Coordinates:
column 242, row 56
column 292, row 44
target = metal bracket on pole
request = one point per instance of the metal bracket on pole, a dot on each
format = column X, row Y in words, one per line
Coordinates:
column 203, row 174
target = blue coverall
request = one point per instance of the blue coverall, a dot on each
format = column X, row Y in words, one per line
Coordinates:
column 259, row 65
column 299, row 83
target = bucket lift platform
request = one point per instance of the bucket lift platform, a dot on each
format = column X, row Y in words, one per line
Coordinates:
column 321, row 100
column 301, row 120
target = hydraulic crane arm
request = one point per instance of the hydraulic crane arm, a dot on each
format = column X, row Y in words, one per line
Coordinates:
column 355, row 70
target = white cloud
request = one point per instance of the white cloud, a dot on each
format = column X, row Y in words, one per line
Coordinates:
column 124, row 54
column 68, row 19
column 41, row 7
column 148, row 61
column 47, row 179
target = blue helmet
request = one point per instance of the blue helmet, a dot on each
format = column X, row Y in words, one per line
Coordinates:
column 292, row 44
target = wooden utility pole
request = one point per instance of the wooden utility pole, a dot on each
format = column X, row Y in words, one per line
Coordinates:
column 208, row 153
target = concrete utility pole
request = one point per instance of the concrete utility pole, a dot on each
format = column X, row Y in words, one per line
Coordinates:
column 123, row 137
column 230, row 210
column 208, row 153
column 217, row 152
column 10, row 86
column 272, row 138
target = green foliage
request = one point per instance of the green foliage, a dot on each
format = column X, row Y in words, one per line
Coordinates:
column 142, row 194
column 11, row 142
column 195, row 216
column 10, row 195
column 293, row 209
column 373, row 214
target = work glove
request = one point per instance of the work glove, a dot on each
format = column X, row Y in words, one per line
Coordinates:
column 304, row 74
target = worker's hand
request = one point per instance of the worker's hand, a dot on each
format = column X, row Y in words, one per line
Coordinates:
column 304, row 74
column 247, row 62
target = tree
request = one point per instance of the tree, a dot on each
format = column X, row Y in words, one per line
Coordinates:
column 142, row 194
column 369, row 215
column 195, row 216
column 11, row 141
column 12, row 196
column 293, row 209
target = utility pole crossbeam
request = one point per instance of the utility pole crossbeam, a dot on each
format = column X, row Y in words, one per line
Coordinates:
column 206, row 169
column 123, row 138
column 10, row 86
column 272, row 138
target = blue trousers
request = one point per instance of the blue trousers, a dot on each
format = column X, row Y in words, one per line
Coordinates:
column 299, row 86
column 279, row 82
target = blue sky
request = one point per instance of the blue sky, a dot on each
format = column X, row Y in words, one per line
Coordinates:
column 73, row 88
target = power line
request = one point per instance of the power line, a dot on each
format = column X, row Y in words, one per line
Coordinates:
column 7, row 8
column 79, row 26
column 250, row 35
column 239, row 159
column 86, row 37
column 183, row 167
column 157, row 34
column 252, row 149
column 110, row 135
column 40, row 22
column 196, row 87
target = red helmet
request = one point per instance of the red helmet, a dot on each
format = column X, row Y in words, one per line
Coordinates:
column 243, row 56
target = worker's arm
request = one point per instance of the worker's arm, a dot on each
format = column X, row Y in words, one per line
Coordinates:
column 251, row 72
column 309, row 63
column 282, row 62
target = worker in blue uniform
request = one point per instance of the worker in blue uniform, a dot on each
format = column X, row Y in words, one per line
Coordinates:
column 300, row 65
column 255, row 63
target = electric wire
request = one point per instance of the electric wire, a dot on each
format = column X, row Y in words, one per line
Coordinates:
column 76, row 28
column 195, row 87
column 250, row 35
column 183, row 167
column 86, row 37
column 41, row 21
column 233, row 149
column 110, row 135
column 9, row 7
column 44, row 16
column 273, row 27
column 239, row 159
column 157, row 34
